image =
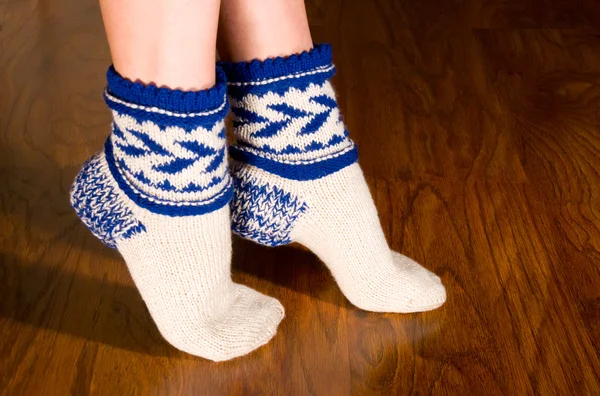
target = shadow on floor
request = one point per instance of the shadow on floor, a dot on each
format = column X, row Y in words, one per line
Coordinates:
column 66, row 302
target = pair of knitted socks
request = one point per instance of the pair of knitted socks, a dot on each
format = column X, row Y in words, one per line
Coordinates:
column 160, row 189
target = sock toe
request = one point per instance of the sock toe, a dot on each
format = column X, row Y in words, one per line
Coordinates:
column 426, row 292
column 428, row 299
column 252, row 322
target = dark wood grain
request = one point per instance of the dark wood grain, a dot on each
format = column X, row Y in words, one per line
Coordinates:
column 478, row 124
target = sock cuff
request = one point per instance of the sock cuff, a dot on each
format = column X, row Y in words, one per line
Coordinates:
column 126, row 92
column 167, row 147
column 316, row 60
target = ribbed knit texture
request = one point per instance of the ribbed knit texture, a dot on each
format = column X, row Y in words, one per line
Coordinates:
column 158, row 193
column 296, row 179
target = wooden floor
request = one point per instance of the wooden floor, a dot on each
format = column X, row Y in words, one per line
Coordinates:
column 478, row 124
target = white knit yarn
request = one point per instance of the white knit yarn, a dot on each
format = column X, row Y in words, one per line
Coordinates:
column 170, row 139
column 300, row 108
column 181, row 266
column 340, row 224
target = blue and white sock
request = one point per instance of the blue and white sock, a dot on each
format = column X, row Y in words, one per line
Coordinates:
column 296, row 179
column 159, row 193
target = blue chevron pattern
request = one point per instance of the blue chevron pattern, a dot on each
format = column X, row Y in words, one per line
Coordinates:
column 301, row 122
column 263, row 213
column 169, row 161
column 286, row 117
column 99, row 205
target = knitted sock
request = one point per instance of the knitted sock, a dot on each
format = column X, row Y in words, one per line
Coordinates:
column 296, row 179
column 158, row 193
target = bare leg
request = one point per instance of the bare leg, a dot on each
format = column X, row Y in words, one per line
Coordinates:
column 166, row 42
column 262, row 29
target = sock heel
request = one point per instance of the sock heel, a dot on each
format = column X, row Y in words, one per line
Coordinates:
column 99, row 204
column 263, row 213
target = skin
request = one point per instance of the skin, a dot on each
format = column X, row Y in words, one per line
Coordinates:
column 261, row 29
column 170, row 43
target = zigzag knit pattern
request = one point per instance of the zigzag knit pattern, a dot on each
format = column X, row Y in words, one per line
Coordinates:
column 263, row 213
column 165, row 160
column 99, row 205
column 298, row 124
column 286, row 117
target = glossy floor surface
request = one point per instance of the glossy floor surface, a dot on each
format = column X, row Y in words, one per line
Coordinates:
column 478, row 125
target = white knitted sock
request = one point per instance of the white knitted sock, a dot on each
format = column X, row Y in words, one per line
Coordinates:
column 296, row 179
column 158, row 193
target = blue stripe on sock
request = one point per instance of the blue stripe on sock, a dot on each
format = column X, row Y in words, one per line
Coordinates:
column 288, row 110
column 216, row 162
column 325, row 101
column 164, row 120
column 312, row 171
column 316, row 123
column 244, row 115
column 271, row 129
column 175, row 166
column 132, row 151
column 198, row 148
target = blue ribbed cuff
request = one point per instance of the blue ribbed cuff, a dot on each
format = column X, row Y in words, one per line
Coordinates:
column 317, row 57
column 164, row 98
